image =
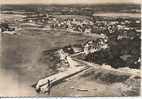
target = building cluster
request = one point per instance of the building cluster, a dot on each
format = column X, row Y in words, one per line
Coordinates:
column 84, row 24
column 72, row 24
column 123, row 41
column 6, row 27
column 95, row 45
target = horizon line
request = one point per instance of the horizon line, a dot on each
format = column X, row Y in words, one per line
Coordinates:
column 70, row 3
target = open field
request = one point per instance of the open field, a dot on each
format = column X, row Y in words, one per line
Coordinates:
column 10, row 17
column 21, row 53
column 135, row 15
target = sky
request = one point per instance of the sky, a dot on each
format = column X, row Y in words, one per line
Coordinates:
column 67, row 1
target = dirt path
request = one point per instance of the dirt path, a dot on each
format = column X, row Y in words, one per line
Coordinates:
column 78, row 86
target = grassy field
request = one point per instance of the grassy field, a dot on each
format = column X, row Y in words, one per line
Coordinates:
column 21, row 53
